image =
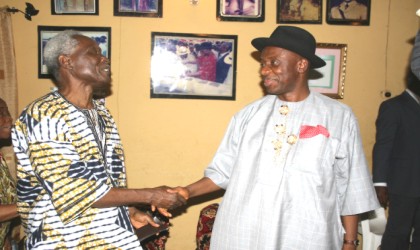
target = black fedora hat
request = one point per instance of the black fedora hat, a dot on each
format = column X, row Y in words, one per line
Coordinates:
column 294, row 39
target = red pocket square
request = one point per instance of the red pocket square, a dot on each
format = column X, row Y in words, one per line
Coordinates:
column 311, row 131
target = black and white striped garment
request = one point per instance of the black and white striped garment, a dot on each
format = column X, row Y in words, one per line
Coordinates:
column 63, row 168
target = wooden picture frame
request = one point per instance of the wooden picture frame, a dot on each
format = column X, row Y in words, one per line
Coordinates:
column 73, row 7
column 240, row 10
column 102, row 35
column 299, row 11
column 193, row 66
column 138, row 8
column 329, row 80
column 353, row 12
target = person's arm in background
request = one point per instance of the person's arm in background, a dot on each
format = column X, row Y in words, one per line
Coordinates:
column 415, row 55
column 8, row 212
column 386, row 130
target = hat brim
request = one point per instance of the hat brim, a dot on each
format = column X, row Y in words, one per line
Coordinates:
column 262, row 42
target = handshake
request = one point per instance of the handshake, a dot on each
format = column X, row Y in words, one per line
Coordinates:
column 165, row 198
column 162, row 199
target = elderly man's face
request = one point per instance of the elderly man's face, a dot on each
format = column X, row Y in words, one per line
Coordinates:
column 279, row 69
column 5, row 121
column 90, row 66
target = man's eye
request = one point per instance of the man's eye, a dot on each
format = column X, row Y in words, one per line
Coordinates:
column 275, row 63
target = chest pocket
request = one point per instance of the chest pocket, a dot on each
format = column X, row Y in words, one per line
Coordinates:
column 313, row 155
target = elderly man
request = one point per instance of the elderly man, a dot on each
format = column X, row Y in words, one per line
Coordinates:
column 71, row 177
column 292, row 162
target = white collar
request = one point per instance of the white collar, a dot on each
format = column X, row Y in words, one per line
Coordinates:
column 415, row 97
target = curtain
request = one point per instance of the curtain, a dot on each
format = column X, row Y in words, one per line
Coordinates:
column 8, row 78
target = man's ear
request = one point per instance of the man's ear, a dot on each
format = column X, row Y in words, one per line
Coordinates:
column 302, row 65
column 65, row 61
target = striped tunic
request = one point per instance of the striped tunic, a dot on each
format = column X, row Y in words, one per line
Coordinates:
column 63, row 169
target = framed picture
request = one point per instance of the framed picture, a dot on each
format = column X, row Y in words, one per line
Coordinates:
column 139, row 8
column 299, row 11
column 348, row 12
column 329, row 80
column 102, row 35
column 240, row 10
column 74, row 7
column 193, row 66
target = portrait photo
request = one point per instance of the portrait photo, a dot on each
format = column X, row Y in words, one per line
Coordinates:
column 299, row 11
column 348, row 12
column 240, row 10
column 193, row 66
column 74, row 7
column 141, row 8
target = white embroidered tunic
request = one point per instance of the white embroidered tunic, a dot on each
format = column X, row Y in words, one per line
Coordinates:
column 290, row 194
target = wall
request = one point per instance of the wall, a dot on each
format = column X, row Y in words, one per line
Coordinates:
column 170, row 141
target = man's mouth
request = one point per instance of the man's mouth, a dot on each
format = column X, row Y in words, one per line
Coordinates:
column 268, row 81
column 106, row 68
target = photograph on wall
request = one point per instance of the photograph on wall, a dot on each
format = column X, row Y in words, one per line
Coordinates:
column 102, row 35
column 140, row 8
column 299, row 11
column 348, row 12
column 74, row 7
column 193, row 66
column 329, row 80
column 240, row 10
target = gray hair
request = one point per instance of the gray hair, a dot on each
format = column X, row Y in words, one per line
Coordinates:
column 62, row 43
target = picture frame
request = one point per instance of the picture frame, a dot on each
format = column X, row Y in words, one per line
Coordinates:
column 240, row 10
column 102, row 35
column 193, row 66
column 138, row 8
column 73, row 7
column 353, row 12
column 299, row 11
column 329, row 80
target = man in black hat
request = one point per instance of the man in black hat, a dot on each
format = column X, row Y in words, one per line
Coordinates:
column 292, row 162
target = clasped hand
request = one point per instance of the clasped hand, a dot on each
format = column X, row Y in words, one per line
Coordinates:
column 180, row 193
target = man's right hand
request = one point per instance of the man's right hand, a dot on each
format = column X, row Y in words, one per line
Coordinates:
column 163, row 199
column 382, row 193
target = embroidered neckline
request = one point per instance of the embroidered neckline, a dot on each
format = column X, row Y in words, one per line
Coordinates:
column 280, row 129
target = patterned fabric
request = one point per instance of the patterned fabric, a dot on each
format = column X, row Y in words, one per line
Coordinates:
column 293, row 198
column 156, row 242
column 7, row 195
column 205, row 226
column 62, row 171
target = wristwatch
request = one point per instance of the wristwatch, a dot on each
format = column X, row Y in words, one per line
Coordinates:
column 351, row 242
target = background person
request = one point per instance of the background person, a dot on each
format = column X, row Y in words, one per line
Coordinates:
column 396, row 166
column 222, row 64
column 71, row 188
column 8, row 209
column 292, row 162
